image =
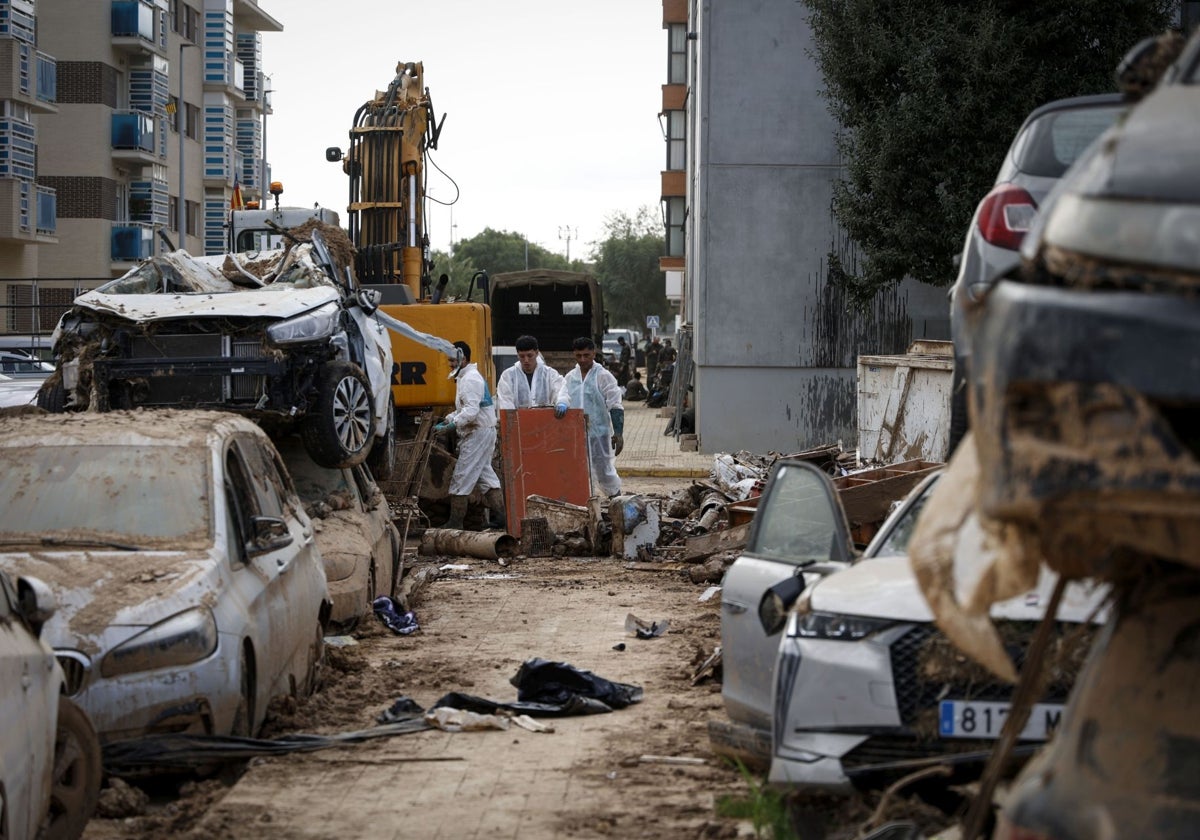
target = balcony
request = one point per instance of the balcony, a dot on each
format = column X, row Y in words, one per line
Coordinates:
column 47, row 84
column 133, row 137
column 134, row 27
column 131, row 243
column 47, row 212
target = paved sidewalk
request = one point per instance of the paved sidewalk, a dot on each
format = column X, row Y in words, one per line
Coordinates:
column 649, row 452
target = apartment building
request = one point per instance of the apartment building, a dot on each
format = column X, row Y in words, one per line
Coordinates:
column 747, row 186
column 151, row 111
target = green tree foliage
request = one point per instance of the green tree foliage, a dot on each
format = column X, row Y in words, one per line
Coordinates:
column 929, row 94
column 626, row 264
column 499, row 251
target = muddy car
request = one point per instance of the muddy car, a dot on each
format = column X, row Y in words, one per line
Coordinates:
column 856, row 683
column 50, row 757
column 359, row 544
column 190, row 592
column 284, row 337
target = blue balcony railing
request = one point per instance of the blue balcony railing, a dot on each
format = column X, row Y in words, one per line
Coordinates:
column 47, row 211
column 131, row 243
column 133, row 130
column 133, row 19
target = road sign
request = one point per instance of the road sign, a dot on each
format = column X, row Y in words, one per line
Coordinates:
column 651, row 322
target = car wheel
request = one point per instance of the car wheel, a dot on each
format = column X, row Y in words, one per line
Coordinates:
column 959, row 420
column 75, row 787
column 397, row 564
column 312, row 680
column 340, row 426
column 382, row 460
column 52, row 397
column 243, row 716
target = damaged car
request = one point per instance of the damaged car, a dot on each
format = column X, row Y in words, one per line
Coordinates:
column 855, row 686
column 360, row 546
column 286, row 337
column 50, row 757
column 189, row 588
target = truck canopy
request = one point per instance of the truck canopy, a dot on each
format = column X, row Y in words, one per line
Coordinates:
column 555, row 307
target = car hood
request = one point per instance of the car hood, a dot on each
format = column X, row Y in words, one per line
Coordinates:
column 270, row 302
column 104, row 597
column 885, row 587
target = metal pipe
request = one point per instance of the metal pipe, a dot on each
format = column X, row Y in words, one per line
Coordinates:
column 488, row 545
column 412, row 209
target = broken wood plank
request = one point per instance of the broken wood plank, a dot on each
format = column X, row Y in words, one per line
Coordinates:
column 635, row 566
column 696, row 549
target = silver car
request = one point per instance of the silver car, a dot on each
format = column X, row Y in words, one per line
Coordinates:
column 359, row 544
column 1052, row 137
column 49, row 758
column 189, row 586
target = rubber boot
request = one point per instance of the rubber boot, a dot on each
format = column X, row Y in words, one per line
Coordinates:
column 458, row 512
column 494, row 499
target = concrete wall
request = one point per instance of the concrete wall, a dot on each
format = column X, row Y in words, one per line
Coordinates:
column 776, row 345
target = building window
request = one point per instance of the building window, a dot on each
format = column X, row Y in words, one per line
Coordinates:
column 173, row 214
column 674, row 213
column 193, row 214
column 676, row 139
column 677, row 65
column 192, row 121
column 185, row 20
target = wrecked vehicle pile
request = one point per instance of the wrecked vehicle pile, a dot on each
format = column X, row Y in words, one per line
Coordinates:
column 285, row 337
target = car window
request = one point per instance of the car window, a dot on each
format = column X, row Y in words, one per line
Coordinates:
column 795, row 521
column 1050, row 144
column 264, row 477
column 895, row 542
column 240, row 492
column 143, row 495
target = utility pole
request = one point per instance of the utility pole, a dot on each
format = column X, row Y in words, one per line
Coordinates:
column 568, row 233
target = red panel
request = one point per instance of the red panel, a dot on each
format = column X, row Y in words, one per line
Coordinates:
column 543, row 456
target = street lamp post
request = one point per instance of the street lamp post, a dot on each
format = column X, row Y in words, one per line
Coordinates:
column 263, row 185
column 568, row 233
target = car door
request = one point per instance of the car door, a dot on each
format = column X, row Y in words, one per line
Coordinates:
column 28, row 700
column 798, row 523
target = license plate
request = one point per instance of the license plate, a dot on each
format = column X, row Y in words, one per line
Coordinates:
column 976, row 719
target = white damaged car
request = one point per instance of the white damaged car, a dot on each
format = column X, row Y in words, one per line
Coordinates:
column 286, row 337
column 190, row 592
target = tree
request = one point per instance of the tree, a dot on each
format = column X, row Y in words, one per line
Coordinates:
column 498, row 251
column 928, row 95
column 626, row 264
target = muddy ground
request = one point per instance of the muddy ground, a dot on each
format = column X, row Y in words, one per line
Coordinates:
column 610, row 775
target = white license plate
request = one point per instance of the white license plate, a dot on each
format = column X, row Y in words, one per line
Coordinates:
column 977, row 719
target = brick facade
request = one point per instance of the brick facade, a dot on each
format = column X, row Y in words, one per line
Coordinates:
column 84, row 197
column 87, row 83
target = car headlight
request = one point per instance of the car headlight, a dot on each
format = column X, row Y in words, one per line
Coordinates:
column 180, row 640
column 311, row 326
column 839, row 628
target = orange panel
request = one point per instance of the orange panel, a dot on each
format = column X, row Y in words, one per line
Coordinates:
column 544, row 456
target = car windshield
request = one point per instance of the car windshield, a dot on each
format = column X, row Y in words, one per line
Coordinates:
column 1054, row 141
column 895, row 542
column 315, row 483
column 142, row 496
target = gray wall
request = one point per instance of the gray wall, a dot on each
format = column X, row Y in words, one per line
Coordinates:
column 776, row 345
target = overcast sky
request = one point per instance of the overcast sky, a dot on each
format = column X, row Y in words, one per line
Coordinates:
column 551, row 106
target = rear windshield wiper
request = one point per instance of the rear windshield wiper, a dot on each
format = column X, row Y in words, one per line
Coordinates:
column 86, row 542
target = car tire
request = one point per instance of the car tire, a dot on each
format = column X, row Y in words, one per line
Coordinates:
column 75, row 787
column 382, row 459
column 340, row 425
column 52, row 397
column 960, row 422
column 312, row 680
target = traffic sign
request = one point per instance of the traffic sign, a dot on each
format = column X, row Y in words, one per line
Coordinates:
column 651, row 322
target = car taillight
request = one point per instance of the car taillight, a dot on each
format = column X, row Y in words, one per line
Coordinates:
column 1004, row 216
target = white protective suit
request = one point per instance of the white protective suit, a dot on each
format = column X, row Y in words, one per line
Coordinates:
column 474, row 417
column 516, row 391
column 596, row 394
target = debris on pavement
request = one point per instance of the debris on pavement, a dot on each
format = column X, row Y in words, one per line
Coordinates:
column 645, row 629
column 710, row 667
column 389, row 612
column 403, row 709
column 486, row 545
column 552, row 689
column 461, row 720
column 670, row 759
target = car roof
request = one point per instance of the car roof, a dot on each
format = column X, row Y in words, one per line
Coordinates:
column 23, row 426
column 1070, row 102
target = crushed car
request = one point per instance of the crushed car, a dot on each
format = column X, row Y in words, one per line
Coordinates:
column 360, row 546
column 286, row 337
column 189, row 588
column 50, row 757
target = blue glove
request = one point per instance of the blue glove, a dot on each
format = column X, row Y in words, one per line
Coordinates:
column 560, row 411
column 445, row 425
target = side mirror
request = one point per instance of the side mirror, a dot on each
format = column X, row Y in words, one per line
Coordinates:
column 369, row 299
column 333, row 154
column 270, row 534
column 776, row 601
column 36, row 602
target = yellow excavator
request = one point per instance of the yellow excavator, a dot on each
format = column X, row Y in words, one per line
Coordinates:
column 386, row 167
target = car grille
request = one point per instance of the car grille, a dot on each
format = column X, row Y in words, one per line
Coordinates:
column 197, row 388
column 927, row 668
column 75, row 668
column 890, row 750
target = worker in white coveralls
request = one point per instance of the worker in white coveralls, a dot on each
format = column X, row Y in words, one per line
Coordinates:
column 530, row 382
column 590, row 387
column 474, row 418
